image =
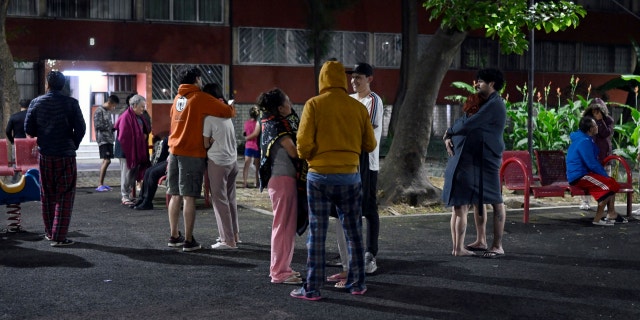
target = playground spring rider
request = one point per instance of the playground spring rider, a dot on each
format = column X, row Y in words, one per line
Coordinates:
column 12, row 195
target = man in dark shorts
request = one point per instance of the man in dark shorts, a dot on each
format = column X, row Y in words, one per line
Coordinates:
column 104, row 136
column 186, row 154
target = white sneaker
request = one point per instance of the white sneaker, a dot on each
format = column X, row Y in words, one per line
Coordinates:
column 218, row 239
column 585, row 206
column 370, row 265
column 222, row 246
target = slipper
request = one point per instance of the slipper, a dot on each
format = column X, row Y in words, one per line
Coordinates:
column 341, row 284
column 336, row 277
column 128, row 203
column 492, row 255
column 470, row 248
column 292, row 279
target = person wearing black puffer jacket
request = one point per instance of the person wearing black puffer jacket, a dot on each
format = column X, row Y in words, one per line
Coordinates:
column 57, row 122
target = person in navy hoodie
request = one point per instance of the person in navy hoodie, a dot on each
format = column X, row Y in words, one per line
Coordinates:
column 56, row 121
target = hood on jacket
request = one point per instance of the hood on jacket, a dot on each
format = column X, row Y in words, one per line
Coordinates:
column 577, row 136
column 332, row 75
column 185, row 89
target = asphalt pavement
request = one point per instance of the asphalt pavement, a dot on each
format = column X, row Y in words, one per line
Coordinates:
column 558, row 266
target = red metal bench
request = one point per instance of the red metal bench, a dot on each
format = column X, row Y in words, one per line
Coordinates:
column 6, row 168
column 27, row 154
column 552, row 169
column 516, row 173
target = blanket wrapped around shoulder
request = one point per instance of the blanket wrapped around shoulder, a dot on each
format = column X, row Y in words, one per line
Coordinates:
column 131, row 136
column 273, row 128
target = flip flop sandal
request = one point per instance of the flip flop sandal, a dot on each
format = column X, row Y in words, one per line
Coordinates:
column 341, row 284
column 492, row 255
column 470, row 248
column 336, row 277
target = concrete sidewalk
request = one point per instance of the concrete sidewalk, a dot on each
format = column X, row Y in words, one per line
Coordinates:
column 558, row 266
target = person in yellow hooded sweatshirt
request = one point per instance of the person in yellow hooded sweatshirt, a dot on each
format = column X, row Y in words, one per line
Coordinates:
column 334, row 129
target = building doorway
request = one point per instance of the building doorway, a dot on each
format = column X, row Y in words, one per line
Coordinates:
column 91, row 82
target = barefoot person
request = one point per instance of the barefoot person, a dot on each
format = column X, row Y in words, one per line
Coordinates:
column 465, row 164
column 472, row 175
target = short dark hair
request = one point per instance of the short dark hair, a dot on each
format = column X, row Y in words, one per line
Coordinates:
column 56, row 80
column 491, row 75
column 113, row 98
column 24, row 103
column 585, row 124
column 215, row 90
column 188, row 74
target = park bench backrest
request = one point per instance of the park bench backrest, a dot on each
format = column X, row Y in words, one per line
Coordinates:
column 552, row 168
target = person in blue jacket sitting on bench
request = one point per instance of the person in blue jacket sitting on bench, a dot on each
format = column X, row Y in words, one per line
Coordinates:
column 586, row 172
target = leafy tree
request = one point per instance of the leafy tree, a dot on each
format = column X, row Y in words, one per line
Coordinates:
column 8, row 86
column 404, row 177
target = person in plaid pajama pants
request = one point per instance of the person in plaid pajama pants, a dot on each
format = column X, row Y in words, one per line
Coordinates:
column 55, row 119
column 334, row 130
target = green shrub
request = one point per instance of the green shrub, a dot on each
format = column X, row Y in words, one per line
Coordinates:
column 553, row 124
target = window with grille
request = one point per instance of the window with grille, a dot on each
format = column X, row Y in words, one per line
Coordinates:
column 166, row 79
column 122, row 83
column 205, row 11
column 272, row 46
column 548, row 57
column 624, row 59
column 23, row 8
column 349, row 47
column 27, row 79
column 91, row 9
column 477, row 53
column 290, row 46
column 567, row 57
column 513, row 61
column 388, row 49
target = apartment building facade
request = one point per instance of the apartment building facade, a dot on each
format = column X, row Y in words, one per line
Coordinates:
column 249, row 46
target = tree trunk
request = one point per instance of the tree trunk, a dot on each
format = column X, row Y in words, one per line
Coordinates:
column 409, row 56
column 8, row 87
column 403, row 178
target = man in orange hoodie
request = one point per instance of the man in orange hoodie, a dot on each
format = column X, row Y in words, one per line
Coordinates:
column 187, row 154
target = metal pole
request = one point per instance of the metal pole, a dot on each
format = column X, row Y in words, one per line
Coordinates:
column 531, row 86
column 231, row 94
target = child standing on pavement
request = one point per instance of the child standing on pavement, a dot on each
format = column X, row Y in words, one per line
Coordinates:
column 251, row 150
